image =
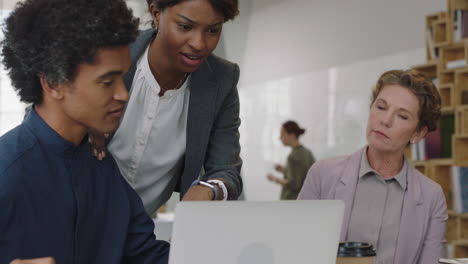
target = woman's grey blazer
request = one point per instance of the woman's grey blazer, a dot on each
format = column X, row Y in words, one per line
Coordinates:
column 213, row 148
column 424, row 213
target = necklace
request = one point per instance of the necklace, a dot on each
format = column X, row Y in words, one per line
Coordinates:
column 181, row 81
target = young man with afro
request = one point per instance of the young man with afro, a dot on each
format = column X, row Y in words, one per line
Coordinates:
column 68, row 58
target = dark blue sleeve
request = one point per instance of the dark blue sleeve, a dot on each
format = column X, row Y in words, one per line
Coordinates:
column 8, row 229
column 141, row 245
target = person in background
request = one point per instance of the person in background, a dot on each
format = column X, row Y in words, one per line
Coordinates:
column 68, row 58
column 388, row 202
column 181, row 122
column 299, row 161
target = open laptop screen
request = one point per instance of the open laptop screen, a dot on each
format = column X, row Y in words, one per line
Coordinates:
column 239, row 232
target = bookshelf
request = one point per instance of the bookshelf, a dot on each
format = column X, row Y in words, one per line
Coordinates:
column 461, row 86
column 447, row 65
column 441, row 170
column 453, row 226
column 447, row 95
column 461, row 120
column 460, row 150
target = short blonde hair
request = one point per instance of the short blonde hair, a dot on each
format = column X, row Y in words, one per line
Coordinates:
column 422, row 87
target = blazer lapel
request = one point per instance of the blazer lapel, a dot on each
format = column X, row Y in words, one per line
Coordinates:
column 346, row 187
column 199, row 121
column 412, row 222
column 136, row 51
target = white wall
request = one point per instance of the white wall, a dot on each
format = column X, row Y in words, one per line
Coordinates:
column 297, row 36
column 315, row 62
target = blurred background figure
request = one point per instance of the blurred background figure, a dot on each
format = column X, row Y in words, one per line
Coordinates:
column 298, row 163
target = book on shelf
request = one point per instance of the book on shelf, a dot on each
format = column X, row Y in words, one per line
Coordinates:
column 460, row 189
column 433, row 52
column 456, row 64
column 447, row 129
column 418, row 150
column 414, row 152
column 464, row 97
column 433, row 145
column 457, row 24
column 460, row 24
column 464, row 24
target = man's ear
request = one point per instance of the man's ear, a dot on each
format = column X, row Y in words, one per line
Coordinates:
column 52, row 90
column 155, row 14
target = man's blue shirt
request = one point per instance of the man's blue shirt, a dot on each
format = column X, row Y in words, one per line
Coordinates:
column 57, row 200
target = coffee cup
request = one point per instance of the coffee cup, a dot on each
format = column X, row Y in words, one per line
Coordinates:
column 355, row 253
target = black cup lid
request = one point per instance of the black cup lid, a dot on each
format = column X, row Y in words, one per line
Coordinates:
column 355, row 249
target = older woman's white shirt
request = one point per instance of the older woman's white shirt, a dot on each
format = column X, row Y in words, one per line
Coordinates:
column 149, row 145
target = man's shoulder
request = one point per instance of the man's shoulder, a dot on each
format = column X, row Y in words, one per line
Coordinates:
column 13, row 145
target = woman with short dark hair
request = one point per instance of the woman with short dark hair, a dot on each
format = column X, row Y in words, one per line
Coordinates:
column 299, row 161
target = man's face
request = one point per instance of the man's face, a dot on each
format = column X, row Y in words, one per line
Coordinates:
column 96, row 96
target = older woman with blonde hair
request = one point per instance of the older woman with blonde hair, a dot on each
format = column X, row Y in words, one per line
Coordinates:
column 389, row 203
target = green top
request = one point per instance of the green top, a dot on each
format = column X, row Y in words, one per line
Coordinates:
column 299, row 161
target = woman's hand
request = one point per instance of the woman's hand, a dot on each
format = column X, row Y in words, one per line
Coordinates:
column 270, row 177
column 34, row 261
column 279, row 168
column 276, row 179
column 98, row 142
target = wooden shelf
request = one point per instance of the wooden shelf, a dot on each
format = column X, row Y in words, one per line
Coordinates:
column 447, row 95
column 429, row 69
column 422, row 166
column 460, row 150
column 447, row 110
column 452, row 233
column 442, row 48
column 453, row 52
column 461, row 86
column 456, row 4
column 461, row 120
column 438, row 30
column 446, row 77
column 460, row 248
column 441, row 172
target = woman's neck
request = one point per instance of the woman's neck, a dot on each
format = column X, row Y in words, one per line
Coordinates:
column 167, row 77
column 386, row 164
column 295, row 144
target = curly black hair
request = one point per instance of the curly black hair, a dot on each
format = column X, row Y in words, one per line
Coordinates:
column 50, row 38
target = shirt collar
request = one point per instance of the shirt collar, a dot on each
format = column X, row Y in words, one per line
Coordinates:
column 144, row 66
column 48, row 137
column 366, row 169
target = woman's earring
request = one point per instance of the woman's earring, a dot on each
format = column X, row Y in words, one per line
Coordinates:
column 412, row 141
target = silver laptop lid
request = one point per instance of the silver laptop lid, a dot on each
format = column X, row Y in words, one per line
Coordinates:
column 239, row 232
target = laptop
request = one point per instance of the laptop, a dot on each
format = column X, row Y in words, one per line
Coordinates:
column 240, row 232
